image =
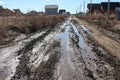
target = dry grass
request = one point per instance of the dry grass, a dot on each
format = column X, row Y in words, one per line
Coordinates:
column 96, row 17
column 101, row 21
column 10, row 27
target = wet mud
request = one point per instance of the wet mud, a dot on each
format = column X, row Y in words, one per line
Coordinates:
column 104, row 64
column 67, row 52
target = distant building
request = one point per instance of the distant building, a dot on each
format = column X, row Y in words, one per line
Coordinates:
column 113, row 5
column 102, row 8
column 32, row 12
column 7, row 12
column 1, row 7
column 35, row 13
column 41, row 13
column 94, row 8
column 61, row 11
column 68, row 13
column 1, row 10
column 117, row 13
column 17, row 12
column 51, row 9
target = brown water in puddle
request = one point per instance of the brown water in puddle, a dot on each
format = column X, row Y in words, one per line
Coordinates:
column 68, row 66
column 67, row 70
column 86, row 50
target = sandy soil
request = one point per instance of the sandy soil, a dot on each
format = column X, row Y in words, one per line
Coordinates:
column 108, row 43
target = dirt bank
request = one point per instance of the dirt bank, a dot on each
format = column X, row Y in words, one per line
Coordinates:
column 110, row 28
column 108, row 43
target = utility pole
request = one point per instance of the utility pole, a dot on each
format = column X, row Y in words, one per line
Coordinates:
column 84, row 6
column 91, row 7
column 80, row 7
column 108, row 9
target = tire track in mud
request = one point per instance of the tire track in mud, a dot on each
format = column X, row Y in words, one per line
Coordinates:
column 71, row 65
column 76, row 56
column 45, row 70
column 23, row 71
column 107, row 57
column 78, row 43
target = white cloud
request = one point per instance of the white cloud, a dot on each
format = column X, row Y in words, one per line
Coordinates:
column 1, row 2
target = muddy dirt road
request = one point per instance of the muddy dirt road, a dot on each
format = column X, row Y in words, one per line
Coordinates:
column 67, row 52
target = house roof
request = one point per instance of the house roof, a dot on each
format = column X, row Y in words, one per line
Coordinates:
column 62, row 10
column 94, row 6
column 33, row 12
column 1, row 7
column 16, row 9
column 51, row 6
column 113, row 5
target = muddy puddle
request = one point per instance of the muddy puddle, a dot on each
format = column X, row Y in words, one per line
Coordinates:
column 68, row 63
column 64, row 66
column 67, row 69
column 86, row 51
column 81, row 42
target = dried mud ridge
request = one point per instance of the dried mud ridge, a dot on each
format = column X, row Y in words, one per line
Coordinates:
column 67, row 52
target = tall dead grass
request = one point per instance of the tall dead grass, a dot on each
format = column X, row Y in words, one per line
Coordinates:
column 10, row 27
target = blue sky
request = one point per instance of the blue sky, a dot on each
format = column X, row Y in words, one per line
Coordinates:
column 38, row 5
